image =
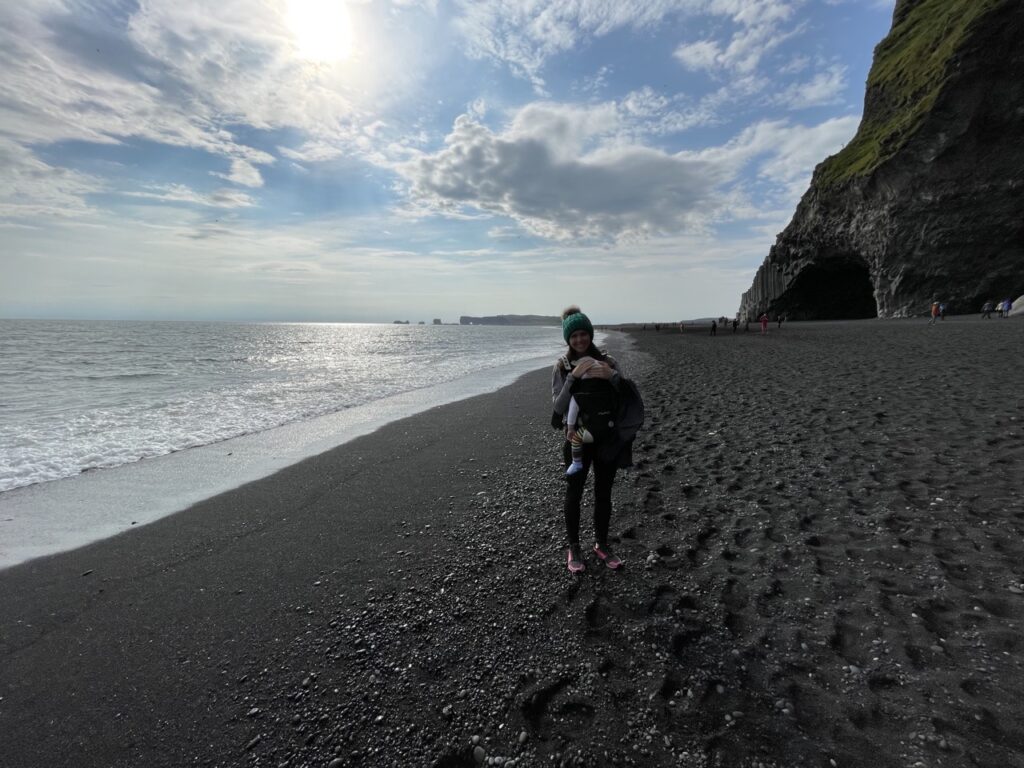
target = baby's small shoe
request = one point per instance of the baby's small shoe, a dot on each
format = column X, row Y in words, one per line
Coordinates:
column 576, row 466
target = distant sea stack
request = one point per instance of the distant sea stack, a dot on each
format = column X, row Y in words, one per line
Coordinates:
column 926, row 202
column 510, row 320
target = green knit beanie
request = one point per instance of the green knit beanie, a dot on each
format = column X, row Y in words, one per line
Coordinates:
column 576, row 322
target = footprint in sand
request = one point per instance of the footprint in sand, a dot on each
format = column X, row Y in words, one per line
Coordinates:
column 535, row 704
column 663, row 600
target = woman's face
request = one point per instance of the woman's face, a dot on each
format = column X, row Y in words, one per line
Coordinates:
column 579, row 341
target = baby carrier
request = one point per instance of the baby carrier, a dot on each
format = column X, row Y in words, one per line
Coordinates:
column 614, row 415
column 599, row 404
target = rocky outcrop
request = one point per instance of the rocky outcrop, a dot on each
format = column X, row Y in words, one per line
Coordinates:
column 926, row 202
column 510, row 320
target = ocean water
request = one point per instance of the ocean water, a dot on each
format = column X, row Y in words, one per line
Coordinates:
column 105, row 426
column 78, row 396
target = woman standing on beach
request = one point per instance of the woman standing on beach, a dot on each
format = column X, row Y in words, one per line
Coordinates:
column 578, row 333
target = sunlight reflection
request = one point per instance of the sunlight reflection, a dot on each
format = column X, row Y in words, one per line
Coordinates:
column 322, row 29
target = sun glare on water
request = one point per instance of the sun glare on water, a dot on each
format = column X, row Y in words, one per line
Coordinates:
column 322, row 29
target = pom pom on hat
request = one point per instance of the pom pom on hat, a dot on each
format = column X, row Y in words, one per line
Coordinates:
column 575, row 321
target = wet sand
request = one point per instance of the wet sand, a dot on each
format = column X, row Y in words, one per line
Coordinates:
column 824, row 564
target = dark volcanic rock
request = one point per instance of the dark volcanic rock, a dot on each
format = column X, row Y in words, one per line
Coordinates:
column 510, row 320
column 925, row 202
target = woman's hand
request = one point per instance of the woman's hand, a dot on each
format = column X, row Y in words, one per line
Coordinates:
column 600, row 371
column 582, row 367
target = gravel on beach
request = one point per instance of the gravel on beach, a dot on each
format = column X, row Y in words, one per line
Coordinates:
column 822, row 536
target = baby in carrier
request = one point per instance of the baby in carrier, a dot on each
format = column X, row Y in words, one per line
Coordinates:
column 590, row 416
column 578, row 434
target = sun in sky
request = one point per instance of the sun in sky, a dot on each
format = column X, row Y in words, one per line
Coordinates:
column 322, row 29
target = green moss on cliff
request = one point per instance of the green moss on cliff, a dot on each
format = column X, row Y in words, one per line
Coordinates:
column 910, row 67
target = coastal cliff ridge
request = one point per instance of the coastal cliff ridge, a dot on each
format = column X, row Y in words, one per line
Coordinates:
column 924, row 203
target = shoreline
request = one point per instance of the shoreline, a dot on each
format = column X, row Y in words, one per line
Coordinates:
column 34, row 519
column 822, row 540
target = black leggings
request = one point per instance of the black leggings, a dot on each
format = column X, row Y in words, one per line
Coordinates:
column 604, row 477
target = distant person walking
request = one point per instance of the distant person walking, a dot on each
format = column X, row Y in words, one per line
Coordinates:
column 714, row 328
column 735, row 324
column 986, row 310
column 764, row 324
column 934, row 313
column 603, row 378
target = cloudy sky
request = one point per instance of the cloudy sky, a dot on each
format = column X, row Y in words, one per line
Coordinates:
column 371, row 161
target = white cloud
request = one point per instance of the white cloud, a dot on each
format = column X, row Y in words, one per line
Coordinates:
column 760, row 29
column 313, row 151
column 563, row 172
column 31, row 188
column 882, row 5
column 822, row 89
column 796, row 65
column 242, row 172
column 596, row 83
column 538, row 174
column 564, row 129
column 179, row 193
column 239, row 61
column 648, row 113
column 525, row 33
column 428, row 5
column 701, row 55
column 790, row 153
column 644, row 103
column 748, row 47
column 178, row 72
column 477, row 109
column 57, row 86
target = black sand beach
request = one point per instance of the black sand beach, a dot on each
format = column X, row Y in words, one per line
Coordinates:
column 824, row 567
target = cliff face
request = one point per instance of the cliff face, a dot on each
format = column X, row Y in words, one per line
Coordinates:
column 926, row 202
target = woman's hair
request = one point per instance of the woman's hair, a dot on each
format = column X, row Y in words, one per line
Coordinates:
column 593, row 352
